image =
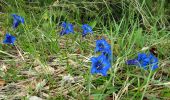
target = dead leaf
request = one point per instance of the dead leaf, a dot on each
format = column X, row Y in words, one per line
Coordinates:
column 68, row 79
column 2, row 82
column 78, row 51
column 45, row 69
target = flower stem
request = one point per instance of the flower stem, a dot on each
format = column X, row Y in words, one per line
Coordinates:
column 147, row 83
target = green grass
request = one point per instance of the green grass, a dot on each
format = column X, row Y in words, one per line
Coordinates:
column 41, row 58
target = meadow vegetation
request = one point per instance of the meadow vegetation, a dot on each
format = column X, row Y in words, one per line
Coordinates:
column 44, row 64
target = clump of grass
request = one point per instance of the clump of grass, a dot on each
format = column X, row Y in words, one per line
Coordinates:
column 130, row 26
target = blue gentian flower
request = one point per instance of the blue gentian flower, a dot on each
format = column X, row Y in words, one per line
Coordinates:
column 67, row 28
column 143, row 60
column 86, row 29
column 9, row 39
column 17, row 20
column 103, row 46
column 132, row 62
column 100, row 64
column 153, row 62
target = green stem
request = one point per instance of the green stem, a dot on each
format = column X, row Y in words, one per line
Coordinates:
column 150, row 74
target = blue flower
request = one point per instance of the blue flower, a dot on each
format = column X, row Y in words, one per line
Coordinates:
column 100, row 64
column 9, row 39
column 103, row 46
column 143, row 60
column 86, row 29
column 67, row 28
column 17, row 20
column 153, row 62
column 132, row 62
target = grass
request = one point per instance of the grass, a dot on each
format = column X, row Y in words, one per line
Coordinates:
column 40, row 59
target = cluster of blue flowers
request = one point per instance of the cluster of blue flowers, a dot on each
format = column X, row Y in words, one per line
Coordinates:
column 143, row 60
column 102, row 63
column 10, row 39
column 68, row 28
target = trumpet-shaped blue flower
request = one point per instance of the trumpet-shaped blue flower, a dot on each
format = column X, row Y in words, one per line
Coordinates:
column 67, row 28
column 153, row 62
column 100, row 64
column 9, row 39
column 103, row 46
column 17, row 20
column 143, row 60
column 86, row 29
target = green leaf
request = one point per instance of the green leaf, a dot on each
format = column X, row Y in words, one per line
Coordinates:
column 93, row 24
